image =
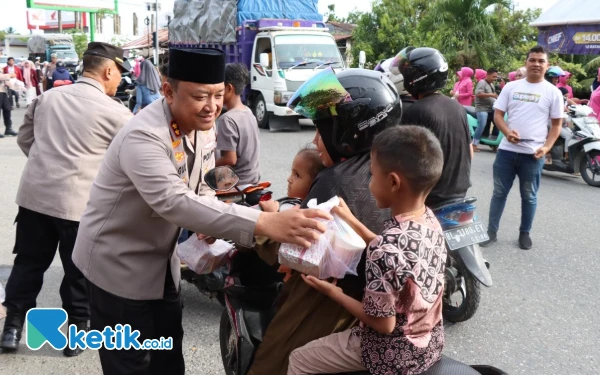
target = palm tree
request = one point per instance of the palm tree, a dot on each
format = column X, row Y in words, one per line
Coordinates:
column 468, row 22
column 11, row 30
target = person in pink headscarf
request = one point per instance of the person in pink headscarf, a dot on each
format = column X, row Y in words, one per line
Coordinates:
column 137, row 69
column 511, row 76
column 480, row 74
column 594, row 102
column 454, row 90
column 563, row 82
column 464, row 88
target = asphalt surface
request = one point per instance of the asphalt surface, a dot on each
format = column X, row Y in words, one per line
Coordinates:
column 540, row 316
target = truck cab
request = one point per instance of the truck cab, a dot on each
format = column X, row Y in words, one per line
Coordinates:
column 284, row 56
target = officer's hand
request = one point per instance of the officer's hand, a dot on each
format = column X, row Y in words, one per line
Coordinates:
column 292, row 226
column 207, row 239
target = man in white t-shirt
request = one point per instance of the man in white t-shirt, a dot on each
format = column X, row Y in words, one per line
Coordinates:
column 530, row 103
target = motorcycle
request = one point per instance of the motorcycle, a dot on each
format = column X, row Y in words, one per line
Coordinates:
column 466, row 269
column 580, row 139
column 490, row 140
column 212, row 284
column 249, row 292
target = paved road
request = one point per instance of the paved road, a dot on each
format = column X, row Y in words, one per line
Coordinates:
column 540, row 317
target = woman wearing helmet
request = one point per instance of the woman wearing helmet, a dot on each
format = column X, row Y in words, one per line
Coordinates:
column 425, row 72
column 348, row 109
column 553, row 74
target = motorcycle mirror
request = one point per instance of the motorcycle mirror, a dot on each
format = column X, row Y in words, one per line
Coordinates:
column 221, row 179
column 362, row 59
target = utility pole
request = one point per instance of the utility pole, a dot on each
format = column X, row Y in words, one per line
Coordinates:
column 59, row 13
column 156, row 42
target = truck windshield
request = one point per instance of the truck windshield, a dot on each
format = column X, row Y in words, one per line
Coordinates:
column 314, row 49
column 61, row 55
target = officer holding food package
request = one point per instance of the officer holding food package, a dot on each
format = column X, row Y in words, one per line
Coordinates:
column 144, row 193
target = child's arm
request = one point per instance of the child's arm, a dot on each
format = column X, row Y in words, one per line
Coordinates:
column 227, row 141
column 382, row 325
column 227, row 158
column 344, row 212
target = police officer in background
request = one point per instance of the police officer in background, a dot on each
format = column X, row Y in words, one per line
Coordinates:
column 144, row 193
column 65, row 134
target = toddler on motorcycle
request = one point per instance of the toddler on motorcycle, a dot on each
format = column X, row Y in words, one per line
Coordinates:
column 401, row 327
column 305, row 168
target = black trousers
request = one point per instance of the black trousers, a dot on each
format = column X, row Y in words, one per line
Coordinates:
column 486, row 130
column 154, row 319
column 38, row 237
column 13, row 93
column 6, row 108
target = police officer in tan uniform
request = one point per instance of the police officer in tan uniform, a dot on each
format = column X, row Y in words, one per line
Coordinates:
column 65, row 134
column 145, row 192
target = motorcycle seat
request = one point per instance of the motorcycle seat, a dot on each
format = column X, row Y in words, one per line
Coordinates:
column 445, row 366
column 453, row 202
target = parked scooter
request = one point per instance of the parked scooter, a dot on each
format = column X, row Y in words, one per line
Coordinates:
column 492, row 141
column 580, row 138
column 465, row 267
column 251, row 289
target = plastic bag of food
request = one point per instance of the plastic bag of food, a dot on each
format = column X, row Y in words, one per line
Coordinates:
column 336, row 253
column 204, row 258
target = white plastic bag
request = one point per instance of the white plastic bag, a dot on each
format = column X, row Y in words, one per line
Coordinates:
column 336, row 253
column 201, row 257
column 30, row 95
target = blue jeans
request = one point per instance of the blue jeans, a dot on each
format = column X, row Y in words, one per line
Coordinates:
column 509, row 164
column 144, row 97
column 481, row 122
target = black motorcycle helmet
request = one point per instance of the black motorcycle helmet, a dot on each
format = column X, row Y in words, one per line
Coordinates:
column 424, row 69
column 348, row 119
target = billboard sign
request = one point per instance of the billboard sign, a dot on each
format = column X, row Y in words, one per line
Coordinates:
column 48, row 19
column 36, row 17
column 571, row 39
column 75, row 5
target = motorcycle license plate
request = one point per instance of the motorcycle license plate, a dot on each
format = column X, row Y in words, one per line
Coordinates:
column 466, row 235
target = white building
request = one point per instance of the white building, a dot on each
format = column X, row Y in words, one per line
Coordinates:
column 131, row 21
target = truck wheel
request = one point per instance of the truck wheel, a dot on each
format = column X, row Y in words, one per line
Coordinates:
column 259, row 108
column 591, row 173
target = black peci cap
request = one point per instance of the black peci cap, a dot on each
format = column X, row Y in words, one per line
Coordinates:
column 110, row 52
column 203, row 65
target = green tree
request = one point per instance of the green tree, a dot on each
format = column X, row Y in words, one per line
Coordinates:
column 467, row 26
column 391, row 26
column 11, row 30
column 513, row 38
column 330, row 15
column 80, row 40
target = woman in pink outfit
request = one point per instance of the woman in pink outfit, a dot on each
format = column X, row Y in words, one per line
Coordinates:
column 511, row 76
column 595, row 102
column 563, row 82
column 464, row 90
column 454, row 90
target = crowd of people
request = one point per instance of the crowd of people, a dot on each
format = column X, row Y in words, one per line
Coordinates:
column 25, row 81
column 114, row 199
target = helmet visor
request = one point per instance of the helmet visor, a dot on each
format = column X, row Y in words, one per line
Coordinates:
column 398, row 61
column 318, row 97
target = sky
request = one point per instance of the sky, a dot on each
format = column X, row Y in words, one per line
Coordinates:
column 14, row 12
